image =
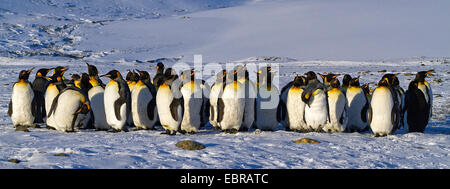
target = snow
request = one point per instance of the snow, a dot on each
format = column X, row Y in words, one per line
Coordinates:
column 355, row 37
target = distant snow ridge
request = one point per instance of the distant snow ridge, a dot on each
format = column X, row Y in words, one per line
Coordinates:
column 51, row 27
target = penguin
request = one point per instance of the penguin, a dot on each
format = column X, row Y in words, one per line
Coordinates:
column 216, row 92
column 346, row 82
column 70, row 108
column 96, row 97
column 205, row 111
column 337, row 103
column 143, row 102
column 231, row 104
column 193, row 102
column 56, row 85
column 250, row 97
column 40, row 84
column 295, row 107
column 315, row 97
column 383, row 113
column 169, row 102
column 22, row 105
column 399, row 93
column 159, row 76
column 131, row 78
column 117, row 100
column 268, row 107
column 74, row 81
column 327, row 79
column 425, row 87
column 358, row 106
column 416, row 112
column 283, row 101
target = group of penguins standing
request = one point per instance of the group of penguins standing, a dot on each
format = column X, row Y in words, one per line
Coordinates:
column 183, row 103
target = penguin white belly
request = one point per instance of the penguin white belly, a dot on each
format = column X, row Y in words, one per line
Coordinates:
column 249, row 107
column 50, row 94
column 316, row 114
column 110, row 96
column 356, row 101
column 234, row 102
column 96, row 98
column 68, row 104
column 22, row 97
column 382, row 104
column 267, row 108
column 337, row 104
column 164, row 98
column 295, row 109
column 283, row 99
column 213, row 97
column 140, row 97
column 192, row 95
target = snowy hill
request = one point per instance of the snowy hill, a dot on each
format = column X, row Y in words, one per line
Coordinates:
column 362, row 38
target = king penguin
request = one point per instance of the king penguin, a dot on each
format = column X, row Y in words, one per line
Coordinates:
column 416, row 113
column 56, row 85
column 143, row 102
column 159, row 76
column 169, row 102
column 22, row 104
column 40, row 84
column 231, row 105
column 268, row 107
column 337, row 103
column 327, row 79
column 216, row 92
column 315, row 98
column 250, row 97
column 71, row 107
column 399, row 93
column 97, row 99
column 358, row 106
column 193, row 102
column 117, row 99
column 383, row 113
column 283, row 100
column 131, row 78
column 425, row 87
column 295, row 107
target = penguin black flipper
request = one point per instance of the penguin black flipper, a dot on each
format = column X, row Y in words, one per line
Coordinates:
column 211, row 111
column 10, row 108
column 54, row 104
column 370, row 115
column 221, row 108
column 174, row 107
column 33, row 107
column 279, row 112
column 364, row 111
column 117, row 104
column 151, row 109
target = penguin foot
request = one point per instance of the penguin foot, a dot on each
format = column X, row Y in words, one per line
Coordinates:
column 231, row 131
column 192, row 132
column 167, row 132
column 243, row 129
column 49, row 127
column 183, row 132
column 114, row 130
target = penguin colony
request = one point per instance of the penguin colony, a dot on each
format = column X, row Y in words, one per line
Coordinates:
column 183, row 103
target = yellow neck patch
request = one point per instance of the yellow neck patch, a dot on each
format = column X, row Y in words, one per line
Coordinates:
column 93, row 82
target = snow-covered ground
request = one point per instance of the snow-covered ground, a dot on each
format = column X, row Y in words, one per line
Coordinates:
column 355, row 37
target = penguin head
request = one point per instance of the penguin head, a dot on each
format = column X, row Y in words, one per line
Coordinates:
column 310, row 75
column 299, row 81
column 327, row 78
column 92, row 70
column 129, row 75
column 354, row 82
column 221, row 76
column 160, row 67
column 143, row 75
column 60, row 70
column 187, row 75
column 420, row 76
column 242, row 72
column 170, row 75
column 384, row 82
column 113, row 74
column 134, row 76
column 25, row 74
column 75, row 79
column 413, row 85
column 43, row 72
column 84, row 108
column 85, row 82
column 334, row 83
column 366, row 89
column 392, row 79
column 346, row 80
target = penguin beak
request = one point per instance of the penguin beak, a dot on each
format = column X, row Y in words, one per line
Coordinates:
column 106, row 75
column 29, row 71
